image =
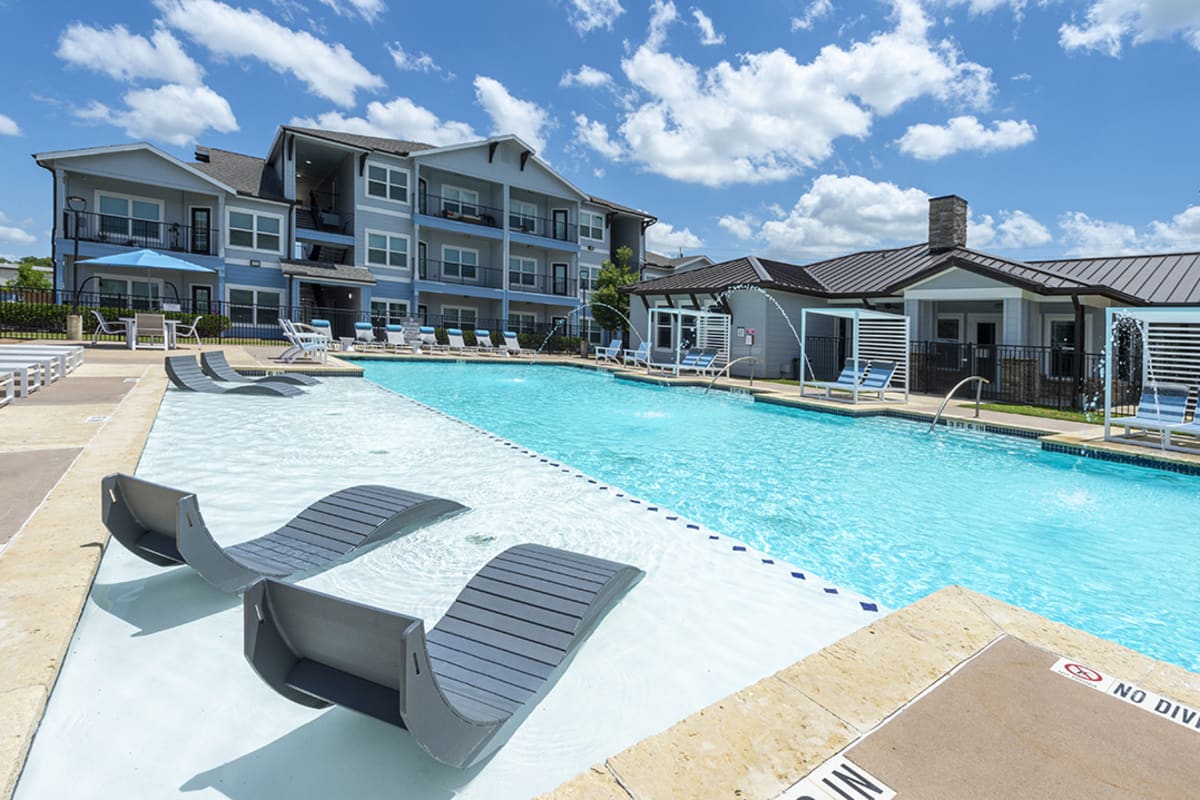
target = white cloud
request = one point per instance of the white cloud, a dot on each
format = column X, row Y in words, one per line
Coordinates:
column 509, row 114
column 588, row 15
column 172, row 113
column 126, row 56
column 1108, row 23
column 594, row 134
column 742, row 227
column 1015, row 230
column 708, row 35
column 598, row 172
column 586, row 76
column 1094, row 237
column 816, row 10
column 661, row 237
column 328, row 70
column 13, row 234
column 1022, row 76
column 423, row 62
column 367, row 9
column 768, row 117
column 400, row 118
column 977, row 7
column 929, row 142
column 8, row 126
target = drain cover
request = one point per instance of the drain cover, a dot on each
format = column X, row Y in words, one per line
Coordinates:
column 97, row 418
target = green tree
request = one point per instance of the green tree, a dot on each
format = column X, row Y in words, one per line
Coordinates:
column 606, row 292
column 29, row 277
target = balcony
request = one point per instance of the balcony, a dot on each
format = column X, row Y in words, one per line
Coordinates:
column 140, row 233
column 559, row 229
column 459, row 274
column 452, row 209
column 542, row 283
column 321, row 220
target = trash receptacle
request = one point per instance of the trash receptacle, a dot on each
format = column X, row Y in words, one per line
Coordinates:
column 796, row 368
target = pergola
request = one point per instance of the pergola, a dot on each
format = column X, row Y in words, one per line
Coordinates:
column 875, row 336
column 1145, row 347
column 711, row 331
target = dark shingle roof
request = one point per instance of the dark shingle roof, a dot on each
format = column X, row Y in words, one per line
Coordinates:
column 249, row 175
column 398, row 147
column 321, row 269
column 623, row 209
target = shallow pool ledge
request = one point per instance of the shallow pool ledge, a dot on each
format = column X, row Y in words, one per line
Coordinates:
column 759, row 742
column 47, row 569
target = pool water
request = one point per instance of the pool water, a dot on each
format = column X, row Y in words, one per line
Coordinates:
column 879, row 505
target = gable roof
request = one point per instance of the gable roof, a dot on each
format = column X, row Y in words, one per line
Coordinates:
column 1165, row 279
column 634, row 212
column 246, row 175
column 399, row 147
column 44, row 159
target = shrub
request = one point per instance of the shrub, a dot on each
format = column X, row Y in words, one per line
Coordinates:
column 52, row 318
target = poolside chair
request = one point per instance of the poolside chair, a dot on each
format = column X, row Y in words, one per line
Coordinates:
column 428, row 339
column 311, row 344
column 456, row 344
column 610, row 353
column 150, row 326
column 185, row 373
column 703, row 363
column 164, row 526
column 364, row 336
column 7, row 385
column 325, row 328
column 215, row 366
column 70, row 354
column 640, row 356
column 49, row 368
column 879, row 377
column 394, row 336
column 26, row 376
column 512, row 346
column 847, row 380
column 60, row 361
column 105, row 327
column 483, row 342
column 189, row 331
column 1163, row 407
column 460, row 689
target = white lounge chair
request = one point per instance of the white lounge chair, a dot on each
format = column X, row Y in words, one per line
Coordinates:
column 69, row 358
column 6, row 384
column 426, row 339
column 105, row 327
column 457, row 344
column 325, row 328
column 512, row 347
column 303, row 343
column 364, row 336
column 483, row 342
column 394, row 336
column 189, row 332
column 26, row 376
column 638, row 357
column 610, row 353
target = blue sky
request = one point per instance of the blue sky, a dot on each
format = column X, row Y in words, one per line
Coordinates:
column 796, row 129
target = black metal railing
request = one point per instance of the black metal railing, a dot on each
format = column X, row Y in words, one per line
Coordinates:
column 89, row 226
column 557, row 228
column 327, row 220
column 460, row 274
column 541, row 283
column 458, row 209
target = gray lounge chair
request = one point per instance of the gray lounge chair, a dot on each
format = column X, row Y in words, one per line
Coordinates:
column 185, row 373
column 164, row 526
column 215, row 366
column 463, row 688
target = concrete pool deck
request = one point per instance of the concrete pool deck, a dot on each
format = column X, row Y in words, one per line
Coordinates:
column 836, row 695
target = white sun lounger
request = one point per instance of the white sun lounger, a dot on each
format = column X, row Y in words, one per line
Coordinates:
column 61, row 360
column 27, row 377
column 6, row 383
column 72, row 353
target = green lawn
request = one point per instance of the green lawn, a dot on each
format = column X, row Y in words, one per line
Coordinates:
column 1039, row 411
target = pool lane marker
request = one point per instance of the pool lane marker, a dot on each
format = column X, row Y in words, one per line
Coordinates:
column 1134, row 695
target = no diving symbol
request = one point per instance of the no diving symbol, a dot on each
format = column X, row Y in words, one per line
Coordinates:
column 1083, row 673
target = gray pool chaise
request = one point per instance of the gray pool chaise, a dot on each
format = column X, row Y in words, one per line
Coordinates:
column 214, row 365
column 164, row 526
column 185, row 373
column 462, row 688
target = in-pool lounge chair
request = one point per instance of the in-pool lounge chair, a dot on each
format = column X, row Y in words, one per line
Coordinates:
column 847, row 380
column 610, row 353
column 638, row 357
column 214, row 365
column 1163, row 407
column 164, row 526
column 461, row 688
column 185, row 373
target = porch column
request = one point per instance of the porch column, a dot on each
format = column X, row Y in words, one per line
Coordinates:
column 1014, row 322
column 504, row 256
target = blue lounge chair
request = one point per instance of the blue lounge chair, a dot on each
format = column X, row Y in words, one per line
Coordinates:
column 699, row 361
column 1163, row 407
column 879, row 377
column 610, row 353
column 847, row 380
column 638, row 357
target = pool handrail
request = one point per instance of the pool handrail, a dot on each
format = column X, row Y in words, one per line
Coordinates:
column 978, row 393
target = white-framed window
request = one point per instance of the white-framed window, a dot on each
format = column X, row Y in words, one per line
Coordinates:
column 587, row 279
column 522, row 272
column 388, row 312
column 387, row 250
column 591, row 330
column 522, row 215
column 251, row 306
column 126, row 217
column 664, row 330
column 949, row 328
column 254, row 230
column 143, row 293
column 1059, row 333
column 460, row 262
column 458, row 316
column 591, row 225
column 390, row 183
column 521, row 321
column 460, row 201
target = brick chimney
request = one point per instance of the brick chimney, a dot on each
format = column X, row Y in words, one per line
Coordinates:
column 947, row 223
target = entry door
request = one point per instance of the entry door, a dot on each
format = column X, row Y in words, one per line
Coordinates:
column 202, row 299
column 202, row 231
column 423, row 313
column 559, row 273
column 422, row 196
column 985, row 349
column 422, row 259
column 559, row 218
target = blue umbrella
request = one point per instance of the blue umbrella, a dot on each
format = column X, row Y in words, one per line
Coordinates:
column 147, row 259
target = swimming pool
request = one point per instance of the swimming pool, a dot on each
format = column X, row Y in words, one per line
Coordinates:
column 875, row 504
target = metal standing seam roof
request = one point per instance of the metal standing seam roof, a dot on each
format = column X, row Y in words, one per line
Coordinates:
column 1161, row 279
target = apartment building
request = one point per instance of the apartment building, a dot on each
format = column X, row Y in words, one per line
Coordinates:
column 342, row 226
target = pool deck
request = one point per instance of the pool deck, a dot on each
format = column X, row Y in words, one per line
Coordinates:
column 758, row 742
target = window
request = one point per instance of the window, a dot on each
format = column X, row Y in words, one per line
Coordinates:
column 129, row 218
column 387, row 251
column 387, row 182
column 522, row 322
column 458, row 262
column 129, row 292
column 254, row 306
column 592, row 332
column 460, row 201
column 388, row 312
column 1061, row 338
column 587, row 279
column 949, row 328
column 458, row 317
column 254, row 231
column 522, row 216
column 522, row 272
column 663, row 333
column 591, row 225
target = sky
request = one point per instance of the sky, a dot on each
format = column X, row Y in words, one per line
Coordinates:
column 791, row 129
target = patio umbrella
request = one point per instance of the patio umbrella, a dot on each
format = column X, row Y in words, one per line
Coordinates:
column 148, row 260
